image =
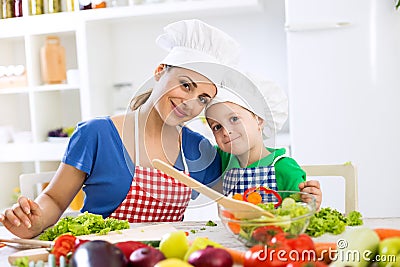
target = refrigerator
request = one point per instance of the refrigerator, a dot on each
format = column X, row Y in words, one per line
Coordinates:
column 343, row 61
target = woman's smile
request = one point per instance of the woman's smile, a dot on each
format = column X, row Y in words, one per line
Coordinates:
column 178, row 111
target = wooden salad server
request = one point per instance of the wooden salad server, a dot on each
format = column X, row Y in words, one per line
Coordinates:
column 240, row 209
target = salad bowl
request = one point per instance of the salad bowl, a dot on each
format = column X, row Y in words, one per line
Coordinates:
column 292, row 212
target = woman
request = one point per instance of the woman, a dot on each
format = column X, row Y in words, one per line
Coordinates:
column 111, row 157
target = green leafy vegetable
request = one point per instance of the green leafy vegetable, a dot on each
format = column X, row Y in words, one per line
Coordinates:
column 22, row 262
column 84, row 224
column 211, row 223
column 354, row 218
column 329, row 220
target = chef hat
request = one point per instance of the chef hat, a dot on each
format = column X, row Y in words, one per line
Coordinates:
column 189, row 41
column 262, row 97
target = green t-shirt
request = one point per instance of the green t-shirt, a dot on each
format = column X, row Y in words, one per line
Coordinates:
column 288, row 173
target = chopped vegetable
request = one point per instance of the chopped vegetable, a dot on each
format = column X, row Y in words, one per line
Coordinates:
column 385, row 233
column 329, row 220
column 22, row 262
column 84, row 224
column 354, row 218
column 211, row 223
column 256, row 198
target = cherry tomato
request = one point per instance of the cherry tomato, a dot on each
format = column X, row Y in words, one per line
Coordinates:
column 302, row 246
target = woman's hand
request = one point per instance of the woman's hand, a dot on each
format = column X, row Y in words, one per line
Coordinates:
column 24, row 219
column 312, row 187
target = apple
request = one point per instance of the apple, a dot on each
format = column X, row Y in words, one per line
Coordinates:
column 389, row 252
column 145, row 257
column 173, row 263
column 174, row 245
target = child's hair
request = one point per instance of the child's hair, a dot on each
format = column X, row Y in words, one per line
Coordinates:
column 139, row 100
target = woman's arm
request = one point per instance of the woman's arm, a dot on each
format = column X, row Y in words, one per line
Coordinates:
column 28, row 218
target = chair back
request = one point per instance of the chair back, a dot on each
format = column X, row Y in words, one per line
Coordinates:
column 348, row 171
column 29, row 183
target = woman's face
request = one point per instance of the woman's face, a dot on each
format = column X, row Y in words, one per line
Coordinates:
column 182, row 94
column 235, row 128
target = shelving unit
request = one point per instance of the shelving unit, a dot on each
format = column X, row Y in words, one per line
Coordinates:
column 107, row 46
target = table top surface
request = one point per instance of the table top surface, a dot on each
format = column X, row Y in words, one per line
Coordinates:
column 216, row 233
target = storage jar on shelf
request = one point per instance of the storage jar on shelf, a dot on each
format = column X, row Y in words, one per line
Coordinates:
column 52, row 59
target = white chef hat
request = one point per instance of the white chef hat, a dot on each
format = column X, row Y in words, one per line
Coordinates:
column 189, row 41
column 262, row 97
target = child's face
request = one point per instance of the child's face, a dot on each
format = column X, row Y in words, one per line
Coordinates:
column 235, row 128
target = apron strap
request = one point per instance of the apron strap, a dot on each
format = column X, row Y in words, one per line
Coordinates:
column 137, row 159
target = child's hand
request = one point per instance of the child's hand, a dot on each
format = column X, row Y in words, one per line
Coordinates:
column 312, row 187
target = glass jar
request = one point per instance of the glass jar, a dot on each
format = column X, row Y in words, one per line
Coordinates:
column 8, row 8
column 54, row 6
column 1, row 9
column 36, row 7
column 70, row 5
column 18, row 8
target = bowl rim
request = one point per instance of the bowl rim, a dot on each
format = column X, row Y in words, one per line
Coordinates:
column 308, row 214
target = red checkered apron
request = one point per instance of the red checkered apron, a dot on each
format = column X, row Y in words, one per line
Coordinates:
column 153, row 195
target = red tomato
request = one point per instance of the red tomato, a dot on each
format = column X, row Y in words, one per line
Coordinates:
column 264, row 234
column 273, row 255
column 128, row 247
column 63, row 245
column 302, row 246
column 307, row 264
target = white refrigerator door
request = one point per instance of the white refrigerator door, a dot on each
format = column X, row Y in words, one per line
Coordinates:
column 344, row 88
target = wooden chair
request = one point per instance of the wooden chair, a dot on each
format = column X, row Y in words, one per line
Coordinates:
column 348, row 171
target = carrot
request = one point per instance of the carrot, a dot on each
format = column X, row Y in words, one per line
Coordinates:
column 2, row 245
column 384, row 233
column 237, row 255
column 325, row 251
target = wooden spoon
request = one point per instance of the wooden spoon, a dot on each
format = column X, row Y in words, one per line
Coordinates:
column 240, row 209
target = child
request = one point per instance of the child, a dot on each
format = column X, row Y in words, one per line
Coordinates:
column 239, row 125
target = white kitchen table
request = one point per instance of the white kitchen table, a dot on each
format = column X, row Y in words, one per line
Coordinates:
column 216, row 233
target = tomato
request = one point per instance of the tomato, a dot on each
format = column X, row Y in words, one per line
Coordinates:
column 63, row 245
column 128, row 247
column 273, row 255
column 264, row 234
column 302, row 246
column 299, row 242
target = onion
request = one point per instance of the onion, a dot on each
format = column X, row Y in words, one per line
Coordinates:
column 211, row 257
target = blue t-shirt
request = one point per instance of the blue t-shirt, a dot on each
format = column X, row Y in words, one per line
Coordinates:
column 97, row 149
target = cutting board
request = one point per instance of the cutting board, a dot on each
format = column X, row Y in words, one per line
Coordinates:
column 143, row 233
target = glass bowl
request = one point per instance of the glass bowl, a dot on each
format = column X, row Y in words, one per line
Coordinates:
column 292, row 216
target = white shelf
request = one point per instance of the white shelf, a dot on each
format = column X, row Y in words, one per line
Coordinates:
column 30, row 152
